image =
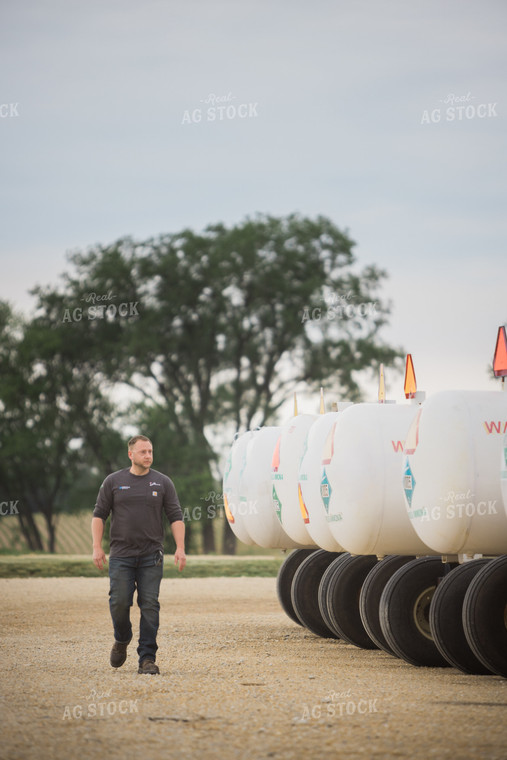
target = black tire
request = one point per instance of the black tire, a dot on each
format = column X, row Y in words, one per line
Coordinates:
column 404, row 611
column 446, row 621
column 305, row 592
column 284, row 580
column 323, row 586
column 369, row 598
column 342, row 598
column 485, row 616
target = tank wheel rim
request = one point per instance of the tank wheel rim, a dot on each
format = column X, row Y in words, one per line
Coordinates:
column 421, row 612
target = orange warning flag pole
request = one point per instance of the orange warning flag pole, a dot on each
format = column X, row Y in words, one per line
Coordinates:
column 322, row 406
column 295, row 405
column 381, row 386
column 500, row 357
column 410, row 382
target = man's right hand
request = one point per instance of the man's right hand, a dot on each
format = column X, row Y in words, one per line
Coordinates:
column 99, row 558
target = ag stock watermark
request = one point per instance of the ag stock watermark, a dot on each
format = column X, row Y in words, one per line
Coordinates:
column 339, row 307
column 100, row 705
column 9, row 508
column 337, row 705
column 459, row 108
column 100, row 307
column 456, row 506
column 9, row 110
column 214, row 506
column 220, row 108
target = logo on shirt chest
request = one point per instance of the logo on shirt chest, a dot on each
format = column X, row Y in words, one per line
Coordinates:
column 154, row 493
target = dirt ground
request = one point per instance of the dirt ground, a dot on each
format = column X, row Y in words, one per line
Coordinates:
column 238, row 680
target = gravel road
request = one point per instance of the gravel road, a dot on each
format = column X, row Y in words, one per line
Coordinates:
column 238, row 680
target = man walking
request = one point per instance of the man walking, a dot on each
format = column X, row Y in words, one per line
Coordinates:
column 136, row 497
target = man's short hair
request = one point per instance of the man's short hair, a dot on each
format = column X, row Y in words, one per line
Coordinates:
column 137, row 438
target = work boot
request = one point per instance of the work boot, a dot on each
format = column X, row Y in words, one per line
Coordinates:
column 118, row 654
column 148, row 666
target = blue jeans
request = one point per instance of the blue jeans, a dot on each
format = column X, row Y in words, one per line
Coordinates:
column 125, row 575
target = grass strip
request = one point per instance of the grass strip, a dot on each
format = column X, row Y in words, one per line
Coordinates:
column 79, row 566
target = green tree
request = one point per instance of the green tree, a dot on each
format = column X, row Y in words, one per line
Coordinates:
column 51, row 417
column 217, row 327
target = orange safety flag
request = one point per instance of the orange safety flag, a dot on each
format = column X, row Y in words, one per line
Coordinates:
column 500, row 358
column 410, row 382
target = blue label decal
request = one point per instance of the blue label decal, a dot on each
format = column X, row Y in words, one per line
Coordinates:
column 408, row 482
column 325, row 490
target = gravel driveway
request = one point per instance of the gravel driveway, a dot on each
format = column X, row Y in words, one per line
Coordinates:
column 238, row 680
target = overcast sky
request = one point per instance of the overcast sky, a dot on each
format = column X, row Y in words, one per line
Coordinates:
column 388, row 117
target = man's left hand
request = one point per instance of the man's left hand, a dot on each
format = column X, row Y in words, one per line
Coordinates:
column 180, row 559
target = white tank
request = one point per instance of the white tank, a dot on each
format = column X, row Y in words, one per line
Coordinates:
column 367, row 513
column 452, row 472
column 284, row 479
column 236, row 462
column 504, row 472
column 255, row 503
column 316, row 452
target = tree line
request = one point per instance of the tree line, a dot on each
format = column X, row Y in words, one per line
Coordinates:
column 189, row 337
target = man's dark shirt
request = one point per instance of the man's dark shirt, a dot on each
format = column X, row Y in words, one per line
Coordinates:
column 136, row 503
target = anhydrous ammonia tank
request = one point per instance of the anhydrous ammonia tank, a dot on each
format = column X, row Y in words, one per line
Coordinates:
column 255, row 503
column 316, row 452
column 504, row 472
column 367, row 513
column 452, row 472
column 284, row 479
column 234, row 466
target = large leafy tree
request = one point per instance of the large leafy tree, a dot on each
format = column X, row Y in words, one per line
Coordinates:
column 51, row 417
column 213, row 329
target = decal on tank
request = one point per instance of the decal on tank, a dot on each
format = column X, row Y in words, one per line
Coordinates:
column 325, row 490
column 277, row 503
column 328, row 451
column 408, row 483
column 302, row 506
column 227, row 511
column 275, row 461
column 413, row 434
